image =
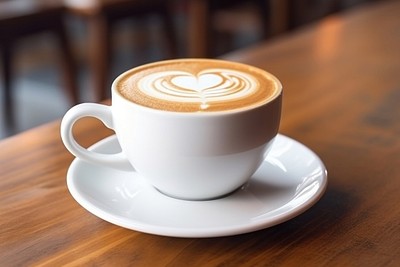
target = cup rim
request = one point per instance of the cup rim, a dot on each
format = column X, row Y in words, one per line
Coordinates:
column 269, row 101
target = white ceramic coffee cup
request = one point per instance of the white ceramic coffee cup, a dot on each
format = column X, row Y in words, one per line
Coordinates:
column 193, row 156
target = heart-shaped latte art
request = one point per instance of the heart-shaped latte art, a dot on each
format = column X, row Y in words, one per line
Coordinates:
column 199, row 84
column 206, row 87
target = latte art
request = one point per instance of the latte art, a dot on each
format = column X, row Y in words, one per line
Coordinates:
column 197, row 85
column 209, row 86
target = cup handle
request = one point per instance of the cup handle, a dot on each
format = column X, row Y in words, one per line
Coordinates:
column 102, row 113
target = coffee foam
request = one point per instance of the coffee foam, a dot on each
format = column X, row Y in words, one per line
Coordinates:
column 197, row 85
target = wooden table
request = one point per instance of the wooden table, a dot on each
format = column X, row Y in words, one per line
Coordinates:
column 342, row 91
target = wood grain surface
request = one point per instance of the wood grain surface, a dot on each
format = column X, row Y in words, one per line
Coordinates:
column 341, row 82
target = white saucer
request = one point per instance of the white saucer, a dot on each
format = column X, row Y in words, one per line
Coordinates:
column 290, row 180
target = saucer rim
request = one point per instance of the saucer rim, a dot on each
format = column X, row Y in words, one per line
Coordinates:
column 194, row 232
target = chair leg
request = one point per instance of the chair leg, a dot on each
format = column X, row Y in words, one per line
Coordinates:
column 67, row 63
column 100, row 55
column 264, row 11
column 8, row 107
column 198, row 28
column 170, row 36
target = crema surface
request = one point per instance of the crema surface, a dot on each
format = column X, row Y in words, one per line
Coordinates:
column 197, row 85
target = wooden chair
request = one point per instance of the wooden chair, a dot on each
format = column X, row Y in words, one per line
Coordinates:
column 207, row 24
column 19, row 18
column 101, row 16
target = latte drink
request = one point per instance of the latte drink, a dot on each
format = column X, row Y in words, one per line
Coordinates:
column 198, row 85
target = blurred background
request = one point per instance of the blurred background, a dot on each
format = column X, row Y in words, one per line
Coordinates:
column 56, row 53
